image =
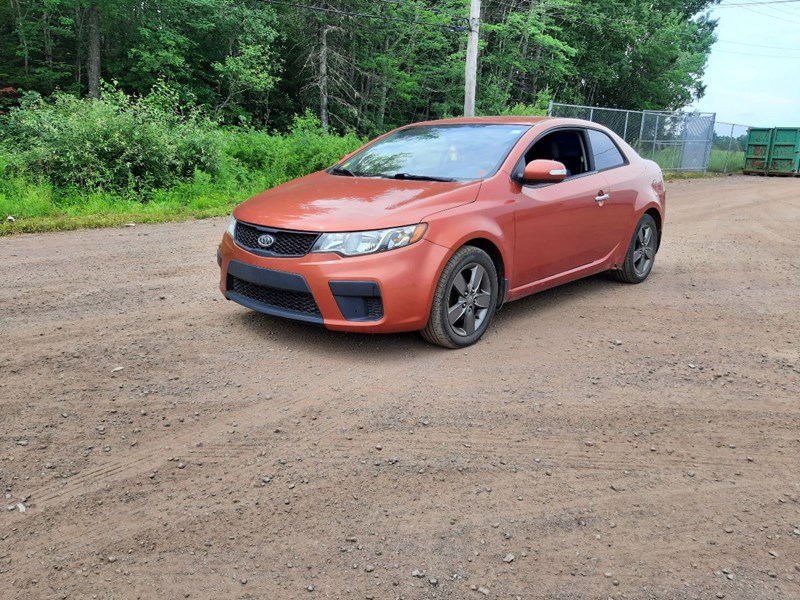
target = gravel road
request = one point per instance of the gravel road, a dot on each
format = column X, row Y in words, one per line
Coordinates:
column 602, row 441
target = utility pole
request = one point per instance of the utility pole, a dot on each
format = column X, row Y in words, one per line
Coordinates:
column 93, row 61
column 323, row 78
column 471, row 69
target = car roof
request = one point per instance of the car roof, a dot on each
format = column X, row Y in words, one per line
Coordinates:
column 505, row 120
column 528, row 121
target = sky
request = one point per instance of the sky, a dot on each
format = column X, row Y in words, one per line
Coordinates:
column 753, row 74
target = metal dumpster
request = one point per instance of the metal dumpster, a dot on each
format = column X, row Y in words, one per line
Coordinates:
column 773, row 151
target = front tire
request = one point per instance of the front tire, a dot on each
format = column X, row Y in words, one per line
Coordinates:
column 464, row 301
column 641, row 253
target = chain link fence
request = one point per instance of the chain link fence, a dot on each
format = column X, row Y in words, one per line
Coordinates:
column 677, row 141
column 728, row 147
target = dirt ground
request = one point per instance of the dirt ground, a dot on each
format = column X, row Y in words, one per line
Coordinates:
column 602, row 441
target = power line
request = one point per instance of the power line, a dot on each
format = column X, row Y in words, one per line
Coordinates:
column 771, row 16
column 782, row 11
column 758, row 45
column 766, row 5
column 349, row 13
column 775, row 56
column 759, row 3
column 790, row 7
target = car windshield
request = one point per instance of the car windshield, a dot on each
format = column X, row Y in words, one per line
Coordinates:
column 436, row 153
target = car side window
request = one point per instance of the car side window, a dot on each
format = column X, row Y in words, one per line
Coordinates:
column 564, row 145
column 604, row 151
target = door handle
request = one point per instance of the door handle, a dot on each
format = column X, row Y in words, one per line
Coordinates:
column 602, row 197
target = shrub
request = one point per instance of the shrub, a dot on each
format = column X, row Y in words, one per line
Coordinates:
column 305, row 149
column 78, row 157
column 525, row 110
column 312, row 149
column 119, row 143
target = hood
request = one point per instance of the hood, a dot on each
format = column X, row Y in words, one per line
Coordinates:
column 324, row 202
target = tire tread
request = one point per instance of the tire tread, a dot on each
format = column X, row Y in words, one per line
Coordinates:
column 627, row 274
column 435, row 332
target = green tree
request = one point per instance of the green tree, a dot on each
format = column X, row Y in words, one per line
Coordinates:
column 636, row 54
column 360, row 64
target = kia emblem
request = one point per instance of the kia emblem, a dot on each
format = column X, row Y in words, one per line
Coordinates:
column 265, row 240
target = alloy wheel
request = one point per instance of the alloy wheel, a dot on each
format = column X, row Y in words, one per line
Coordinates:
column 469, row 300
column 644, row 251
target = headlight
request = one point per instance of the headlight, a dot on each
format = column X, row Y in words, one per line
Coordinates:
column 232, row 227
column 369, row 242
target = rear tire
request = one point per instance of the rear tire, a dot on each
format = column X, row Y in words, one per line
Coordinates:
column 641, row 253
column 464, row 301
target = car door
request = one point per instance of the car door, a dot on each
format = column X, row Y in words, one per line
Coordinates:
column 556, row 223
column 613, row 217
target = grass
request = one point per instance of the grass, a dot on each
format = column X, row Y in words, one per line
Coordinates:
column 70, row 163
column 253, row 162
column 678, row 175
column 38, row 207
column 720, row 161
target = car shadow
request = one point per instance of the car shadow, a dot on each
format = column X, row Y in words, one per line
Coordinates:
column 560, row 298
column 305, row 337
column 317, row 339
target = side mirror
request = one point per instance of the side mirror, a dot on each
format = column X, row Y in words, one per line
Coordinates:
column 544, row 171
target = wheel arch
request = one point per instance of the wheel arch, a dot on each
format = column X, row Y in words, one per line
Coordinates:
column 494, row 234
column 656, row 214
column 494, row 253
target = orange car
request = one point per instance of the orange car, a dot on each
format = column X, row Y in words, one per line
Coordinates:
column 434, row 226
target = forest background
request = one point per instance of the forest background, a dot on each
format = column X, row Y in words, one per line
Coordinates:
column 145, row 110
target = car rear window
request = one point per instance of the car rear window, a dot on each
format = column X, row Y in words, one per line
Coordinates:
column 605, row 151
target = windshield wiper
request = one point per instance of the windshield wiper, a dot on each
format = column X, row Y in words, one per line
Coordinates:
column 421, row 177
column 342, row 171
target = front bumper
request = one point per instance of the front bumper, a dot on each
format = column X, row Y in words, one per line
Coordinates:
column 380, row 293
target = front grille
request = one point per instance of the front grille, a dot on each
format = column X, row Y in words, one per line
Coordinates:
column 302, row 302
column 374, row 308
column 287, row 243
